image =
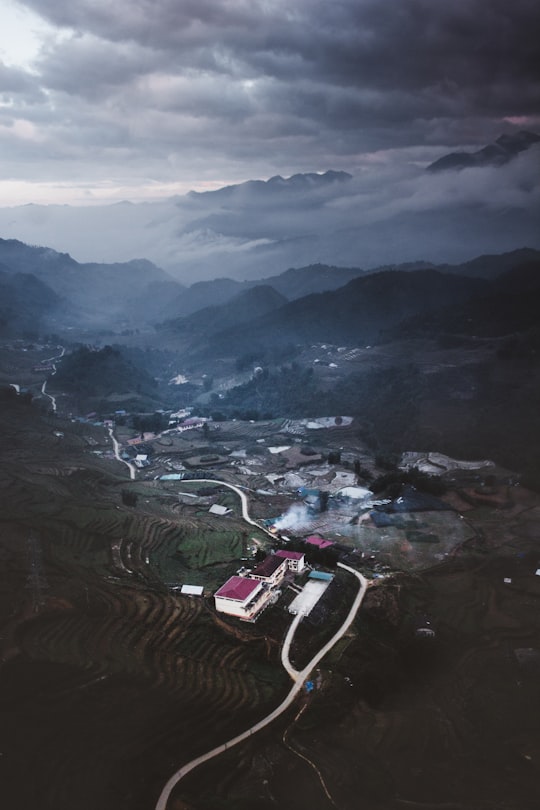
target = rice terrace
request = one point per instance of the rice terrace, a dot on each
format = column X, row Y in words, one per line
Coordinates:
column 122, row 688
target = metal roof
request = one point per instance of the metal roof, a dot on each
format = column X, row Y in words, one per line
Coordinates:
column 238, row 588
column 290, row 555
column 320, row 542
column 321, row 575
column 268, row 566
column 192, row 590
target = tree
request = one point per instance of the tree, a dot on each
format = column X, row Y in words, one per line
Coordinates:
column 129, row 498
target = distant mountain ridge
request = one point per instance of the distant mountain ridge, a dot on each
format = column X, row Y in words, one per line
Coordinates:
column 354, row 314
column 503, row 150
column 97, row 292
column 256, row 229
column 491, row 266
column 26, row 304
column 300, row 300
column 245, row 306
column 299, row 282
column 307, row 181
column 296, row 282
column 377, row 304
column 508, row 305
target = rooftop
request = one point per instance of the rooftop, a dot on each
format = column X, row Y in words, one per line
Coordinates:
column 216, row 509
column 268, row 566
column 320, row 542
column 321, row 575
column 238, row 588
column 289, row 555
column 192, row 590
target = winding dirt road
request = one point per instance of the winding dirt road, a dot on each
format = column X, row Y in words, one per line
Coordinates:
column 118, row 457
column 116, row 446
column 44, row 386
column 243, row 498
column 297, row 676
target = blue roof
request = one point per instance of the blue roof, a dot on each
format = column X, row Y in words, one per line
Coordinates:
column 321, row 575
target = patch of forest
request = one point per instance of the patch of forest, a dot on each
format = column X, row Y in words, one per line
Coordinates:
column 99, row 372
column 489, row 409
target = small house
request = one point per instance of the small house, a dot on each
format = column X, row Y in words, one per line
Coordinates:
column 318, row 542
column 271, row 570
column 296, row 560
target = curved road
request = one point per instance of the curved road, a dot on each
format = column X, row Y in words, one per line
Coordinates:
column 118, row 457
column 298, row 677
column 116, row 446
column 243, row 498
column 287, row 645
column 44, row 386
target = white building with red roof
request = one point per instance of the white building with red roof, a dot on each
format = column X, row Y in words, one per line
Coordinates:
column 271, row 570
column 296, row 560
column 245, row 597
column 242, row 597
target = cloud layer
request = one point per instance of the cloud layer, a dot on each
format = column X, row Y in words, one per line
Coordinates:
column 389, row 213
column 137, row 97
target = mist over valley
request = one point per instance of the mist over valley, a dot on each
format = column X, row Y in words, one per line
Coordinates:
column 387, row 214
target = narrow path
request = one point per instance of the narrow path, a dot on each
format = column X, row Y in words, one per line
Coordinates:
column 243, row 498
column 116, row 446
column 306, row 759
column 44, row 386
column 118, row 457
column 298, row 678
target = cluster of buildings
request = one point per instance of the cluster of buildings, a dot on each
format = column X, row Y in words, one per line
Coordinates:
column 246, row 596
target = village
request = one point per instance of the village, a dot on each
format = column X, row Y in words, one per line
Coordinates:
column 309, row 488
column 204, row 546
column 305, row 478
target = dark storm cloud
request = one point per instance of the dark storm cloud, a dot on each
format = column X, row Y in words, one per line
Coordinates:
column 436, row 59
column 89, row 67
column 153, row 91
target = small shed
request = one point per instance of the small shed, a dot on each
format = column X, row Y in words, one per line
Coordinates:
column 192, row 590
column 216, row 509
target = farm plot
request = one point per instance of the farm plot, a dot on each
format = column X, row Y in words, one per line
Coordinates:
column 200, row 555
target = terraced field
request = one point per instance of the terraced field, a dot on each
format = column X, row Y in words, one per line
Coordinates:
column 405, row 722
column 107, row 678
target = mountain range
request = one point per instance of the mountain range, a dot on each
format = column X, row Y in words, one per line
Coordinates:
column 45, row 289
column 492, row 295
column 503, row 150
column 26, row 304
column 95, row 295
column 393, row 210
column 92, row 293
column 355, row 314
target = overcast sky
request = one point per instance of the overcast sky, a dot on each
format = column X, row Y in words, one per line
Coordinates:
column 138, row 99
